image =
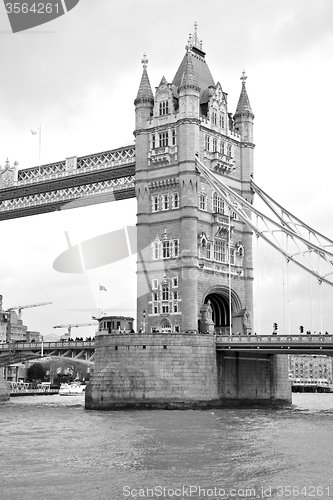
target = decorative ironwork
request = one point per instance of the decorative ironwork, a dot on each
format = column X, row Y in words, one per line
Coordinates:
column 68, row 194
column 107, row 159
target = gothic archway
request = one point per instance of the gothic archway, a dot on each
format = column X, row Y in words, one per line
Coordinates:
column 218, row 298
column 220, row 309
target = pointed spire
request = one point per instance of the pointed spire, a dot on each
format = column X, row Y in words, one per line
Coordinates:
column 188, row 79
column 163, row 81
column 144, row 91
column 243, row 105
column 193, row 40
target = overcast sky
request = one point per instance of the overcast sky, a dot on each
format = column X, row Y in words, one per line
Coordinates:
column 78, row 76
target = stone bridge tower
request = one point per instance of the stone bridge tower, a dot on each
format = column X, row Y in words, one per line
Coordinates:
column 194, row 270
column 194, row 252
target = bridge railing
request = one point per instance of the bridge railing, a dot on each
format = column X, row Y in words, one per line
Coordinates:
column 28, row 346
column 275, row 339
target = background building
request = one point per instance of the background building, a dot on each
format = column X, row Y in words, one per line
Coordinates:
column 310, row 370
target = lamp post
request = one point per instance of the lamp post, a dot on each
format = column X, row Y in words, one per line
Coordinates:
column 144, row 321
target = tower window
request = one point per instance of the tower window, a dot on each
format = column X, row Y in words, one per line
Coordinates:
column 154, row 284
column 156, row 245
column 164, row 141
column 214, row 118
column 175, row 200
column 203, row 201
column 173, row 137
column 218, row 204
column 164, row 108
column 154, row 203
column 166, row 202
column 229, row 150
column 214, row 145
column 222, row 147
column 220, row 250
column 166, row 249
column 165, row 292
column 175, row 248
column 222, row 120
column 175, row 281
column 153, row 142
column 207, row 142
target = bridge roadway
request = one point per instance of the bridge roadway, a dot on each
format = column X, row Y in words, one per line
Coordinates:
column 84, row 350
column 277, row 344
column 18, row 352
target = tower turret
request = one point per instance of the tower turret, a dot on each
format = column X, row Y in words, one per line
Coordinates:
column 244, row 116
column 144, row 101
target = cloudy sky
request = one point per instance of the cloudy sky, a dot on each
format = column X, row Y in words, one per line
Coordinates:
column 78, row 76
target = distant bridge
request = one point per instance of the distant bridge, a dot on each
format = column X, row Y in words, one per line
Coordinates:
column 80, row 351
column 277, row 344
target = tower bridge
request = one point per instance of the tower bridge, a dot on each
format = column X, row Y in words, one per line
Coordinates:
column 191, row 171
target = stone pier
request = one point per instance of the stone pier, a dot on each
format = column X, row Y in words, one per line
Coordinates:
column 153, row 371
column 179, row 371
column 245, row 377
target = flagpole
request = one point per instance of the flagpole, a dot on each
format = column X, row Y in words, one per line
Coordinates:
column 40, row 142
column 99, row 300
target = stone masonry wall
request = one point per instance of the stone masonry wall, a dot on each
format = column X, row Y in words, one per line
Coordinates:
column 253, row 377
column 153, row 371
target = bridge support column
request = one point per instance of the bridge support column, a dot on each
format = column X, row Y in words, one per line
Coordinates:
column 167, row 371
column 250, row 377
column 4, row 387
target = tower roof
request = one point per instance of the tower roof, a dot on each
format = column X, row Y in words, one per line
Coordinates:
column 188, row 76
column 144, row 91
column 243, row 105
column 199, row 69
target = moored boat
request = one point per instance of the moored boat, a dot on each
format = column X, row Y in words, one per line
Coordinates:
column 75, row 388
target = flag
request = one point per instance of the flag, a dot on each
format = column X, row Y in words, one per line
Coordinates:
column 34, row 132
column 102, row 288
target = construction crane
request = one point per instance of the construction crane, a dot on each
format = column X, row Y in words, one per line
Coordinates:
column 19, row 308
column 73, row 325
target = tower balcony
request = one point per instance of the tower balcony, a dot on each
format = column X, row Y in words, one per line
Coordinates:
column 236, row 270
column 220, row 162
column 162, row 156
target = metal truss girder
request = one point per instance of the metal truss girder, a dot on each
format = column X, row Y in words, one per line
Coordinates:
column 243, row 209
column 114, row 157
column 74, row 180
column 107, row 191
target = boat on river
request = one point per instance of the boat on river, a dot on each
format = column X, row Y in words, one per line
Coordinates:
column 75, row 388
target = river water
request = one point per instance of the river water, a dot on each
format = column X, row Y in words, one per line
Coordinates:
column 51, row 448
